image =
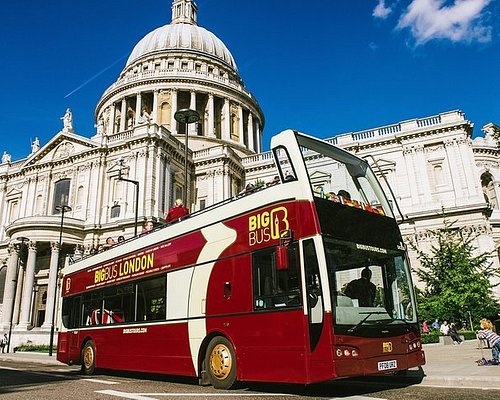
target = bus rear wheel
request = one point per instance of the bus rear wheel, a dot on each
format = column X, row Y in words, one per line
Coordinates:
column 221, row 363
column 88, row 358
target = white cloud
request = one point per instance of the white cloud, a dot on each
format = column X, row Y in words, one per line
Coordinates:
column 381, row 10
column 462, row 21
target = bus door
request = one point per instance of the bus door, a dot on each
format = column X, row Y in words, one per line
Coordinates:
column 274, row 332
column 320, row 365
column 71, row 315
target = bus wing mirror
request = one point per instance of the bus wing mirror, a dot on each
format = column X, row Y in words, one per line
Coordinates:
column 282, row 258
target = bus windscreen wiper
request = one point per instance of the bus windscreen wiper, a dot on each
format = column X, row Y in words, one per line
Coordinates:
column 370, row 313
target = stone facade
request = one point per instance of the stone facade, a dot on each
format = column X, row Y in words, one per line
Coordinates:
column 432, row 165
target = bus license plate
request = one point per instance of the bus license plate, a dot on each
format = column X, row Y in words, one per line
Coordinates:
column 385, row 365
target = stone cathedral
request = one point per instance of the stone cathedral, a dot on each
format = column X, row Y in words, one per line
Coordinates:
column 138, row 152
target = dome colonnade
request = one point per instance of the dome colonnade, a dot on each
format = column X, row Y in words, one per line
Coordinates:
column 182, row 65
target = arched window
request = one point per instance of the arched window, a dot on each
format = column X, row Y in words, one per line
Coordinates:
column 489, row 189
column 14, row 211
column 438, row 175
column 61, row 194
column 115, row 211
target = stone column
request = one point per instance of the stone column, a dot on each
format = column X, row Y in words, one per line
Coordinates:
column 19, row 290
column 28, row 287
column 240, row 125
column 138, row 106
column 193, row 128
column 250, row 132
column 154, row 115
column 410, row 170
column 10, row 283
column 111, row 122
column 259, row 138
column 173, row 122
column 211, row 116
column 226, row 125
column 123, row 115
column 51, row 289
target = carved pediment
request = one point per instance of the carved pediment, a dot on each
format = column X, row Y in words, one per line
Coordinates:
column 60, row 147
column 383, row 165
column 319, row 177
column 13, row 193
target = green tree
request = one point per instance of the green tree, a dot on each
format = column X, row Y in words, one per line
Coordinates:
column 456, row 279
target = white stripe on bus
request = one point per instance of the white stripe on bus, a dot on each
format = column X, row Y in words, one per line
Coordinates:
column 219, row 237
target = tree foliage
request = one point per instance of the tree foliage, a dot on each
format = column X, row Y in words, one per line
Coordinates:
column 456, row 278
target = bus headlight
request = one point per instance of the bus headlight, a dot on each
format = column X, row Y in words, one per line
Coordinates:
column 346, row 351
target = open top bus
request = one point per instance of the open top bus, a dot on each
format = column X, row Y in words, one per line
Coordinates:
column 291, row 283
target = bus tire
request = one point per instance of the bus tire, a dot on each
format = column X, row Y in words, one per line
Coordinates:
column 88, row 358
column 221, row 363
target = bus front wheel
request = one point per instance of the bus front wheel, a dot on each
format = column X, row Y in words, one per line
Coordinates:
column 88, row 358
column 221, row 363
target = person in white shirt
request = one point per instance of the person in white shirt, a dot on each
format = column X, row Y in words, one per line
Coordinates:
column 445, row 328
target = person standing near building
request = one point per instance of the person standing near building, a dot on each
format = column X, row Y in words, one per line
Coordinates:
column 435, row 325
column 425, row 327
column 176, row 212
column 4, row 342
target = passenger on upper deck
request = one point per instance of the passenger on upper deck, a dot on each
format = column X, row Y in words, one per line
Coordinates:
column 176, row 212
column 147, row 228
column 345, row 194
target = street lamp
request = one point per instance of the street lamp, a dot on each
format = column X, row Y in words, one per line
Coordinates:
column 136, row 183
column 62, row 209
column 186, row 116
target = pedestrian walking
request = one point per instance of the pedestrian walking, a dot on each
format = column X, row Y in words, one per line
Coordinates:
column 4, row 342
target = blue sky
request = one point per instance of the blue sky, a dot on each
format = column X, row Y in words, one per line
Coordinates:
column 325, row 67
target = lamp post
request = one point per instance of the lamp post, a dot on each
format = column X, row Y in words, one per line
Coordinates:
column 136, row 183
column 186, row 116
column 62, row 209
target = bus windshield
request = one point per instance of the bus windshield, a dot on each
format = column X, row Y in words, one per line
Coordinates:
column 342, row 177
column 369, row 284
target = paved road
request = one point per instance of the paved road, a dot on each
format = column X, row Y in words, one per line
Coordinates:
column 450, row 372
column 28, row 380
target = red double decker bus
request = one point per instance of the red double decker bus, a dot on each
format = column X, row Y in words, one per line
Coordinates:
column 294, row 282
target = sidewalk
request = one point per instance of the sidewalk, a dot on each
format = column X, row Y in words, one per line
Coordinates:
column 455, row 366
column 447, row 366
column 30, row 356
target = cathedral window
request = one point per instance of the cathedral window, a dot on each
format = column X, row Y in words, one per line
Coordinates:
column 61, row 194
column 13, row 210
column 115, row 211
column 38, row 204
column 184, row 65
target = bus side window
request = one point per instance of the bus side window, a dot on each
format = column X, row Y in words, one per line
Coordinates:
column 151, row 299
column 118, row 304
column 92, row 305
column 273, row 288
column 71, row 312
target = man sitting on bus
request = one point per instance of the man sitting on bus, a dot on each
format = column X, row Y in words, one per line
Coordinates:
column 362, row 289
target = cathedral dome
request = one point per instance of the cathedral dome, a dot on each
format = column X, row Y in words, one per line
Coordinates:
column 184, row 37
column 182, row 34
